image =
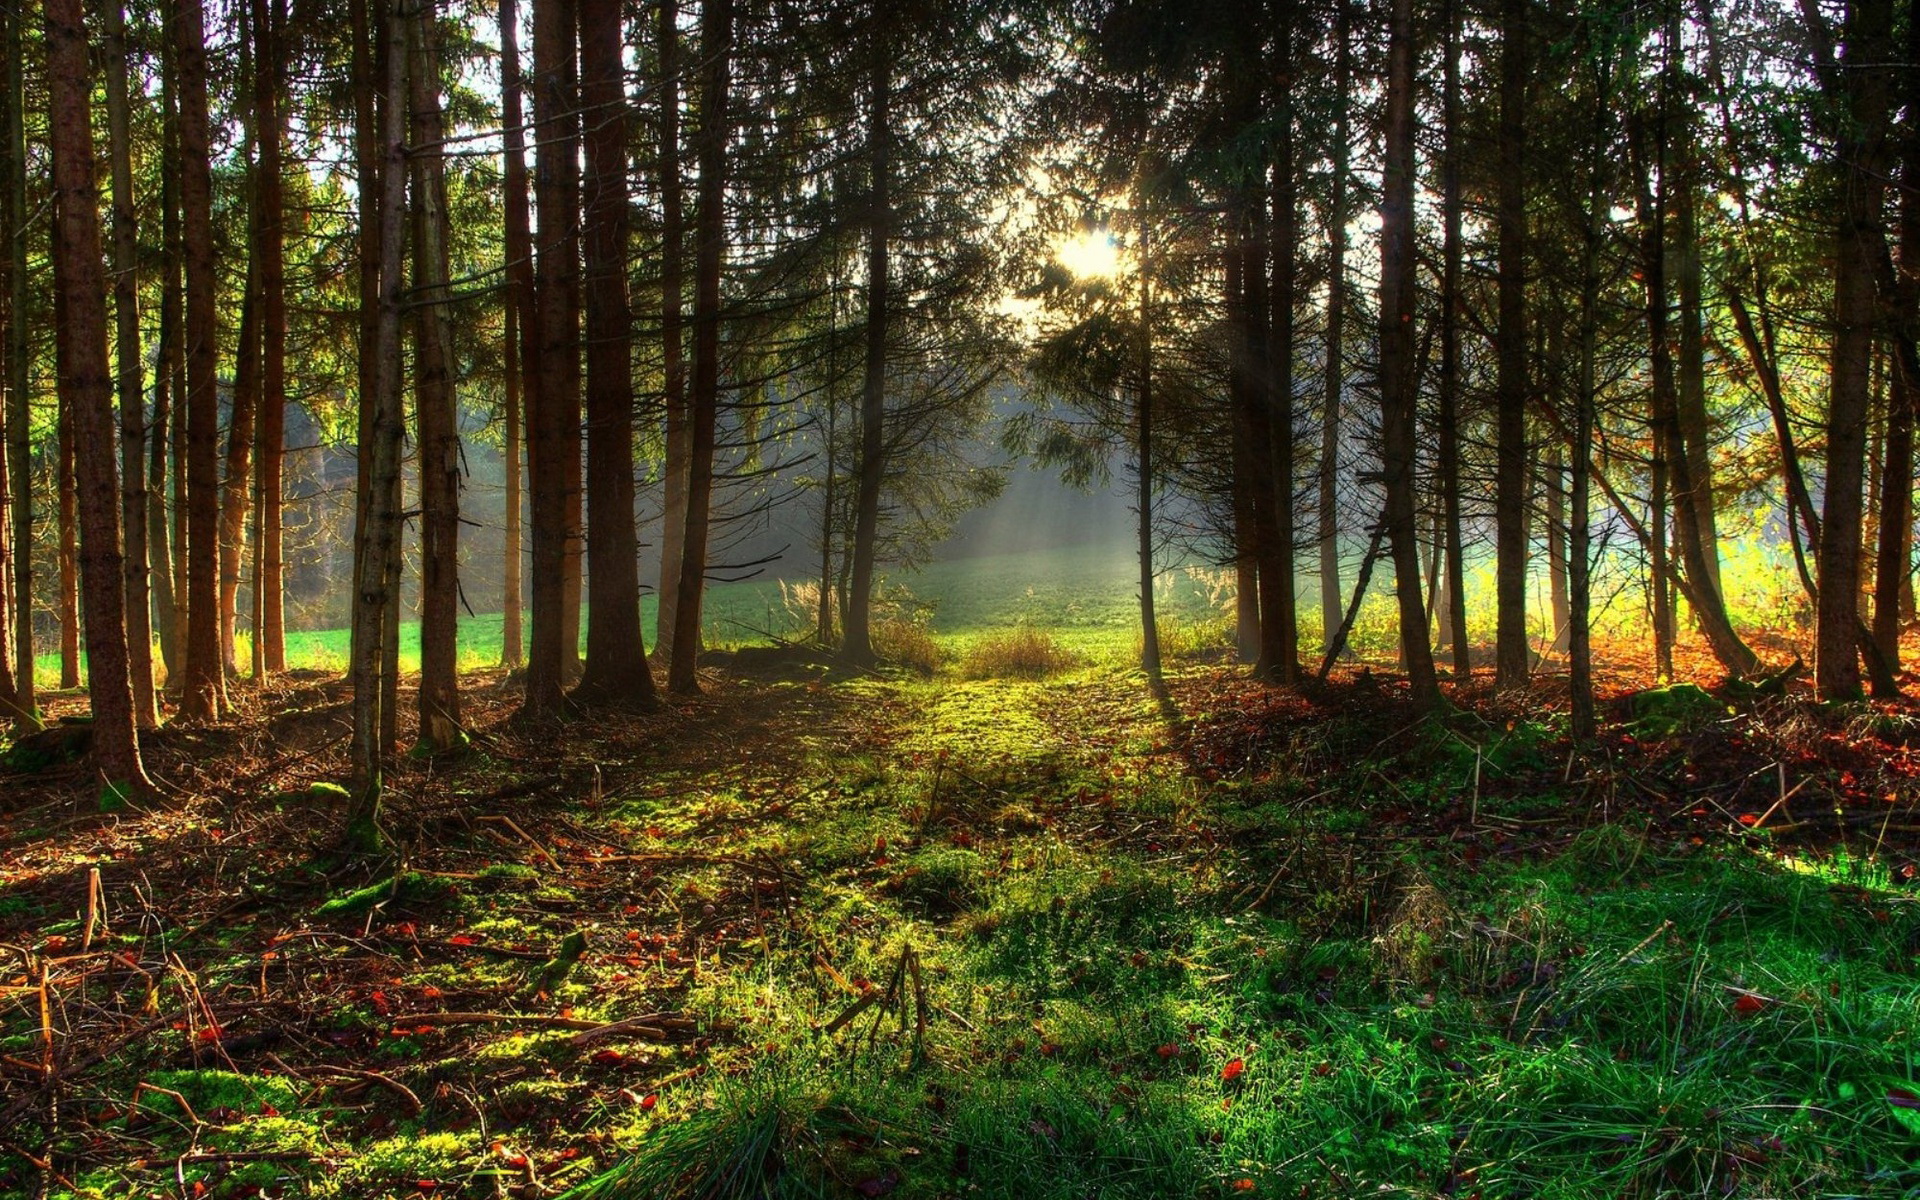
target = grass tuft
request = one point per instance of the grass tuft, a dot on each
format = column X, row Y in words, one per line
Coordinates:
column 1025, row 652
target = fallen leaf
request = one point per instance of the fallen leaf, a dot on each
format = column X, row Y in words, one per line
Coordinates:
column 1233, row 1070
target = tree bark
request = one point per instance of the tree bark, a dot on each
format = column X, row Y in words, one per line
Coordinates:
column 436, row 432
column 127, row 370
column 69, row 511
column 377, row 521
column 857, row 640
column 236, row 493
column 522, row 326
column 1399, row 376
column 1329, row 524
column 86, row 383
column 554, row 456
column 204, row 691
column 710, row 233
column 1143, row 449
column 270, row 125
column 679, row 430
column 1861, row 160
column 616, row 667
column 1280, row 628
column 26, row 711
column 1893, row 565
column 1512, row 656
column 1451, row 303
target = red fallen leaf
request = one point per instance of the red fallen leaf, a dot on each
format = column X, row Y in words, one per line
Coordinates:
column 1437, row 1042
column 1902, row 1098
column 210, row 1034
column 380, row 1003
column 1233, row 1070
column 607, row 1058
column 1167, row 1051
column 648, row 1101
column 268, row 1110
column 1323, row 1070
column 1048, row 1049
column 1748, row 1004
column 1138, row 958
column 1243, row 1185
column 1749, row 819
column 462, row 939
column 430, row 992
column 427, row 1185
column 199, row 1187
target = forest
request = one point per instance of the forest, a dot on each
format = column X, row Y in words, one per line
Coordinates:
column 746, row 599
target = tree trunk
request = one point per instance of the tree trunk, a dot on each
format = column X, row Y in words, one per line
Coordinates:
column 857, row 641
column 69, row 516
column 1143, row 453
column 236, row 493
column 89, row 394
column 679, row 430
column 436, row 431
column 377, row 522
column 1697, row 501
column 1560, row 605
column 710, row 230
column 170, row 439
column 26, row 711
column 554, row 457
column 1329, row 524
column 1399, row 375
column 523, row 324
column 1247, row 431
column 270, row 125
column 1860, row 159
column 127, row 366
column 204, row 692
column 167, row 607
column 616, row 667
column 1451, row 303
column 1280, row 628
column 1511, row 652
column 1893, row 566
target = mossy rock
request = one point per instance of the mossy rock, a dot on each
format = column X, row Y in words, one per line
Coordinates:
column 1665, row 712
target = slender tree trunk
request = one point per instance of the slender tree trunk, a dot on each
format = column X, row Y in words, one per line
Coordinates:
column 1511, row 653
column 1280, row 641
column 679, row 430
column 1143, row 453
column 616, row 667
column 377, row 522
column 1560, row 604
column 1399, row 375
column 270, row 123
column 204, row 692
column 26, row 711
column 1246, row 432
column 166, row 607
column 1697, row 501
column 554, row 456
column 1329, row 523
column 436, row 431
column 1451, row 302
column 1579, row 522
column 710, row 233
column 89, row 392
column 1893, row 567
column 128, row 376
column 857, row 645
column 236, row 493
column 523, row 322
column 1861, row 161
column 69, row 528
column 173, row 362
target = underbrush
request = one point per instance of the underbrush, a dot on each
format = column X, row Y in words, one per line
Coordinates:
column 1024, row 652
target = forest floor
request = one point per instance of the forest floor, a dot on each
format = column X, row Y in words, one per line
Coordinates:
column 819, row 933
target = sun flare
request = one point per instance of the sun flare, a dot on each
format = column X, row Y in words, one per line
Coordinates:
column 1089, row 254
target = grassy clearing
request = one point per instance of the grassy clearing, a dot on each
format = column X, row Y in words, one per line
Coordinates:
column 931, row 937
